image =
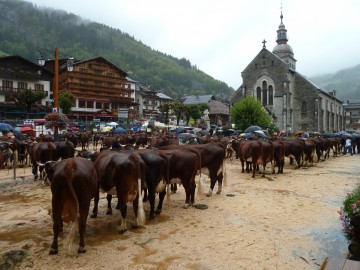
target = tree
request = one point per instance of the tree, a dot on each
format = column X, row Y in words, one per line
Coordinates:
column 164, row 109
column 27, row 98
column 178, row 108
column 66, row 100
column 197, row 110
column 249, row 111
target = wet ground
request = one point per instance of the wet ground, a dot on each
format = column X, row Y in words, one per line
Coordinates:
column 297, row 238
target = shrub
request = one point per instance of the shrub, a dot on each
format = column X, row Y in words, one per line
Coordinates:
column 350, row 208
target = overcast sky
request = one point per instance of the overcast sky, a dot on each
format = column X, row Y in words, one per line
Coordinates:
column 222, row 37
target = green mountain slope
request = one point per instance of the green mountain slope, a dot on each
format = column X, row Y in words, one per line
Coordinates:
column 346, row 82
column 24, row 29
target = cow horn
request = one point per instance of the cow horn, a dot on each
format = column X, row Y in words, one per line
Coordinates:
column 40, row 164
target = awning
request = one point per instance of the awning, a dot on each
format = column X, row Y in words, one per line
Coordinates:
column 94, row 114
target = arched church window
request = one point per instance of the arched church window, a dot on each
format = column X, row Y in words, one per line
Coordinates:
column 303, row 107
column 271, row 95
column 258, row 93
column 264, row 90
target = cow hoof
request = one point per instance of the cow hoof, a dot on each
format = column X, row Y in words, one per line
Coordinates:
column 93, row 215
column 35, row 177
column 208, row 194
column 122, row 231
column 218, row 192
column 117, row 206
column 152, row 216
column 158, row 211
column 186, row 206
column 53, row 251
column 109, row 212
column 81, row 250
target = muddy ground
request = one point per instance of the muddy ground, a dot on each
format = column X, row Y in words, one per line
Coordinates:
column 287, row 221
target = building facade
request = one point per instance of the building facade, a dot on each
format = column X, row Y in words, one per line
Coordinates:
column 17, row 75
column 352, row 115
column 294, row 102
column 100, row 89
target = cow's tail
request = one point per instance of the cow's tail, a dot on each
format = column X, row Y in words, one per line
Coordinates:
column 70, row 172
column 224, row 172
column 198, row 169
column 167, row 176
column 140, row 213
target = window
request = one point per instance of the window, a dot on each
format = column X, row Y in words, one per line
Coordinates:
column 81, row 104
column 39, row 87
column 90, row 104
column 98, row 105
column 106, row 106
column 303, row 107
column 258, row 93
column 22, row 85
column 264, row 100
column 264, row 89
column 98, row 72
column 271, row 95
column 7, row 85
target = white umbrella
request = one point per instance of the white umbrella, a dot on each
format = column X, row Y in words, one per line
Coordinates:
column 113, row 124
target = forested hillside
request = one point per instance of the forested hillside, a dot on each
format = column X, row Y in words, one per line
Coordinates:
column 346, row 82
column 24, row 29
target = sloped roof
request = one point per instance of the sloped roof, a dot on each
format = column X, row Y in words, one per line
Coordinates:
column 163, row 96
column 188, row 100
column 217, row 107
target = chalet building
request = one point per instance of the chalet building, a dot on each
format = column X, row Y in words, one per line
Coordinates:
column 100, row 88
column 352, row 115
column 18, row 74
column 219, row 113
column 294, row 102
column 149, row 101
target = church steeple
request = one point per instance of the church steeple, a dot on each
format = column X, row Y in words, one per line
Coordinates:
column 282, row 49
column 281, row 32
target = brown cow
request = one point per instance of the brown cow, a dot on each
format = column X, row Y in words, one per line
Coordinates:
column 123, row 174
column 249, row 151
column 212, row 161
column 74, row 183
column 42, row 152
column 182, row 164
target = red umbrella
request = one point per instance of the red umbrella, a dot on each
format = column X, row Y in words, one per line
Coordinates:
column 25, row 129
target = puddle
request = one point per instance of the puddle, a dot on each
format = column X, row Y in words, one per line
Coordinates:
column 333, row 242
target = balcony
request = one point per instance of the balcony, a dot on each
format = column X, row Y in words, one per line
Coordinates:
column 9, row 90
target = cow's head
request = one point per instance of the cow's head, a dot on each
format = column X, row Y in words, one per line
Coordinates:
column 49, row 168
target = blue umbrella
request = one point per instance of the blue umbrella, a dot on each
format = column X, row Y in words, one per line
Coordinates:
column 252, row 129
column 5, row 127
column 120, row 130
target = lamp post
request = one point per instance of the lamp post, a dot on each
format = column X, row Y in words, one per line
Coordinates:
column 70, row 67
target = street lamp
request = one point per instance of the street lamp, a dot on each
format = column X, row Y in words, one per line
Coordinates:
column 70, row 67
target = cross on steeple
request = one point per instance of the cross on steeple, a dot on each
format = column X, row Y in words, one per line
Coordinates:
column 264, row 41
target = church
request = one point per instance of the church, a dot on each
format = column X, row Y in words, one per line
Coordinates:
column 294, row 102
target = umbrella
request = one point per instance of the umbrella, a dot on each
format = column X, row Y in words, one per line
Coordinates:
column 252, row 129
column 261, row 134
column 106, row 129
column 5, row 127
column 25, row 129
column 18, row 135
column 247, row 135
column 113, row 124
column 120, row 130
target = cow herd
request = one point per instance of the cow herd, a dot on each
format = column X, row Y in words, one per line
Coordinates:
column 137, row 167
